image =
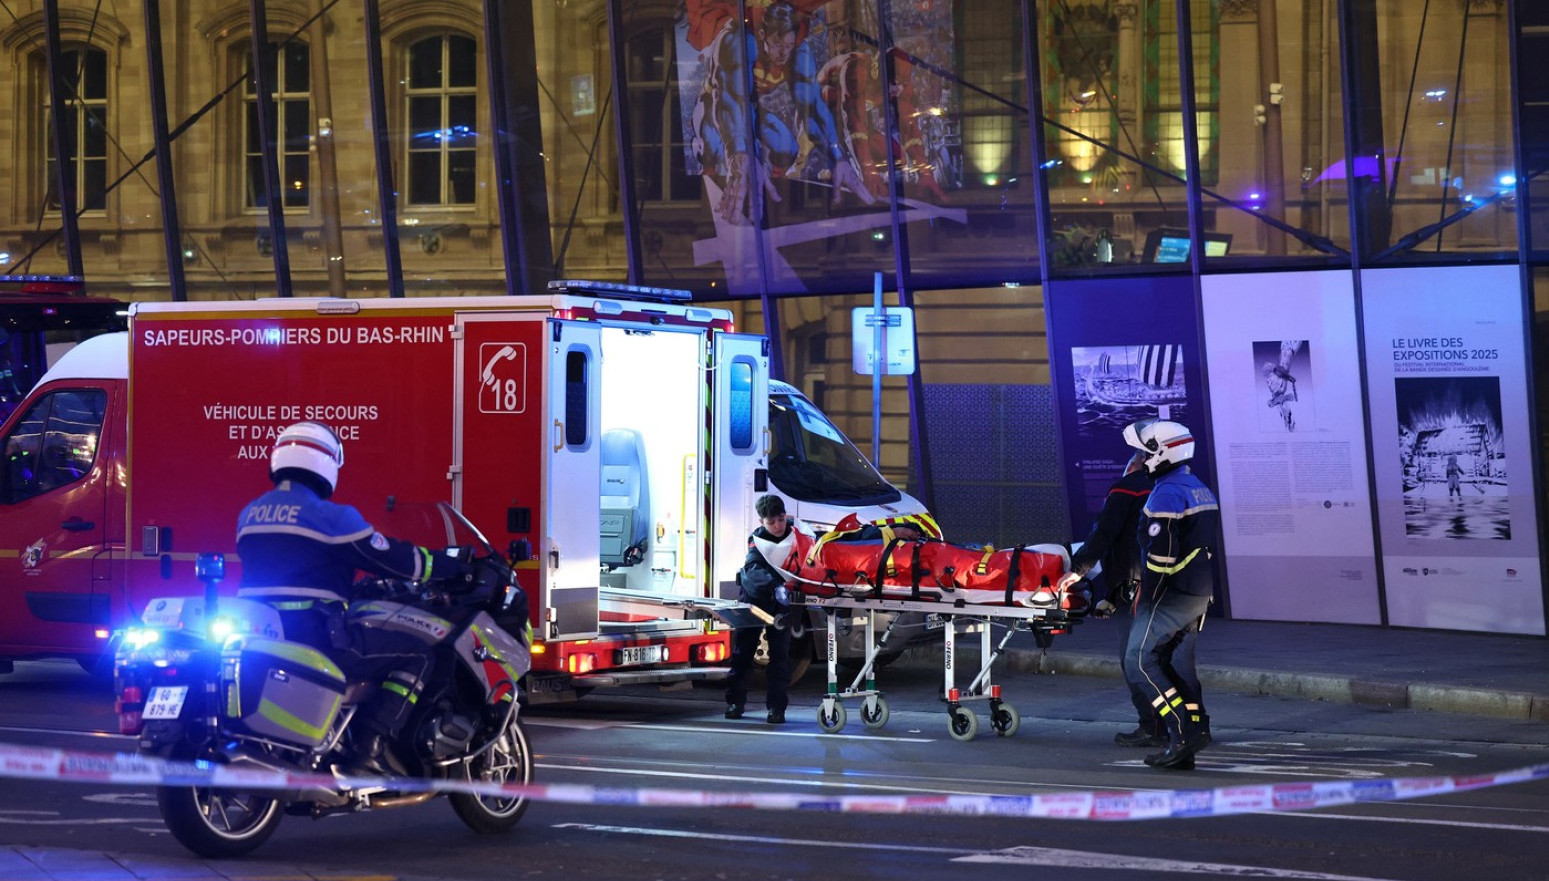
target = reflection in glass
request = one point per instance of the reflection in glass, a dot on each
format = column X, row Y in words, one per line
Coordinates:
column 443, row 121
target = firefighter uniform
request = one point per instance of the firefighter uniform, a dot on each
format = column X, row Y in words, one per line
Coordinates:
column 1179, row 528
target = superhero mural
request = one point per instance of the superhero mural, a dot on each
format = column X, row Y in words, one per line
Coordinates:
column 814, row 94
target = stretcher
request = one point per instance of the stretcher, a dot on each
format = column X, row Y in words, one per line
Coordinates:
column 968, row 590
column 962, row 723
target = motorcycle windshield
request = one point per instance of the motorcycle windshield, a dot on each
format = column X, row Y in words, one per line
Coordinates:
column 428, row 524
column 812, row 461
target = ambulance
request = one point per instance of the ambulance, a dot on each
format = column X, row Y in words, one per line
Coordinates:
column 610, row 438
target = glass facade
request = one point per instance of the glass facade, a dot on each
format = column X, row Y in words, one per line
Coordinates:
column 776, row 155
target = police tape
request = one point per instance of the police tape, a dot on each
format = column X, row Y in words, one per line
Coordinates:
column 73, row 766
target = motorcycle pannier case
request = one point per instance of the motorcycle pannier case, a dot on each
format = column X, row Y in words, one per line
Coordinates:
column 280, row 690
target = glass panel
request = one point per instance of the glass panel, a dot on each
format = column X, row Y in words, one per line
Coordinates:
column 462, row 176
column 94, row 86
column 1446, row 132
column 1106, row 69
column 425, row 64
column 296, row 181
column 297, row 61
column 463, row 65
column 298, row 125
column 254, row 191
column 964, row 143
column 740, row 407
column 94, row 181
column 575, row 399
column 462, row 117
column 580, row 148
column 425, row 122
column 424, row 178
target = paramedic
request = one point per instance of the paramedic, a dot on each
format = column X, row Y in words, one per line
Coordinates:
column 300, row 553
column 1112, row 543
column 1179, row 527
column 763, row 586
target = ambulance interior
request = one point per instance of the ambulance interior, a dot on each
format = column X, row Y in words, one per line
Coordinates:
column 652, row 420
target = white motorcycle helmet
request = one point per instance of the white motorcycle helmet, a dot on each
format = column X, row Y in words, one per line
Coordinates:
column 311, row 447
column 1165, row 444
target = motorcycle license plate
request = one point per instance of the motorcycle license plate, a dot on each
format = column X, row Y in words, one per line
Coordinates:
column 166, row 702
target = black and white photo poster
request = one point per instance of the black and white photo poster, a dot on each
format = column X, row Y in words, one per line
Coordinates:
column 1451, row 454
column 1290, row 446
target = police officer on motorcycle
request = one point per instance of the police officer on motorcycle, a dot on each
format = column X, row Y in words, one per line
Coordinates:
column 300, row 554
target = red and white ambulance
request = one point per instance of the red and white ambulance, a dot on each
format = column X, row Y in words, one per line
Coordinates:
column 614, row 437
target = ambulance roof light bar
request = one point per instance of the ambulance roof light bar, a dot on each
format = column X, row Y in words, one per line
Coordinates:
column 619, row 290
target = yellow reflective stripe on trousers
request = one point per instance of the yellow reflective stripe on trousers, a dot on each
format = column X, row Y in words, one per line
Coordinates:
column 1172, row 570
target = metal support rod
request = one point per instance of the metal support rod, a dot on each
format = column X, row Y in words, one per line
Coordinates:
column 171, row 229
column 387, row 198
column 500, row 128
column 1274, row 149
column 1350, row 71
column 273, row 190
column 1525, row 273
column 64, row 153
column 327, row 159
column 919, row 442
column 616, row 41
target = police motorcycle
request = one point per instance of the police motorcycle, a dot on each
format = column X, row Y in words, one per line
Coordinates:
column 214, row 682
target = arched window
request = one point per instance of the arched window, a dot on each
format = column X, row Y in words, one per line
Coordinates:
column 442, row 97
column 85, row 129
column 290, row 77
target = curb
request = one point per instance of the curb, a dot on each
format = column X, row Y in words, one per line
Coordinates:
column 1461, row 699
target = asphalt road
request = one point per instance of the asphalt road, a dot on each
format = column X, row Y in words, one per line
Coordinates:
column 677, row 739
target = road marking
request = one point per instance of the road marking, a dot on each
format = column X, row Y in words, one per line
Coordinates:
column 767, row 731
column 1027, row 856
column 1077, row 859
column 1415, row 821
column 69, row 733
column 763, row 839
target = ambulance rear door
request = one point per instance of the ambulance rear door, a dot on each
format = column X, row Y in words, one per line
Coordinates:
column 499, row 436
column 570, row 549
column 740, row 450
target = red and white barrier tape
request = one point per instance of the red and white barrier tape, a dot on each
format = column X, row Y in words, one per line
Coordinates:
column 73, row 766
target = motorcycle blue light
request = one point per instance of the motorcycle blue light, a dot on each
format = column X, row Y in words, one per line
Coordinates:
column 137, row 638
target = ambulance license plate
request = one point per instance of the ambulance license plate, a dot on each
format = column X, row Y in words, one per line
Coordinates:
column 166, row 702
column 638, row 654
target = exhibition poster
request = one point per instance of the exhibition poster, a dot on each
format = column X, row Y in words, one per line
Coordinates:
column 1289, row 440
column 1120, row 350
column 1451, row 448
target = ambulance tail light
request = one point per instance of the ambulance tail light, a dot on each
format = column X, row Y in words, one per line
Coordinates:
column 581, row 662
column 710, row 653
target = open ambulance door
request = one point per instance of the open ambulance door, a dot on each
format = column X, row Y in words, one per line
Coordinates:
column 740, row 450
column 570, row 548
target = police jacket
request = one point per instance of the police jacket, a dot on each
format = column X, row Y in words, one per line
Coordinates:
column 297, row 547
column 1112, row 539
column 1179, row 527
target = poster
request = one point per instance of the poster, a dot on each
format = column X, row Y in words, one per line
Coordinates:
column 1452, row 455
column 1290, row 446
column 1120, row 350
column 796, row 144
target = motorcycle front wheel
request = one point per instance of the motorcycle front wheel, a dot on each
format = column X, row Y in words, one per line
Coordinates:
column 218, row 823
column 509, row 760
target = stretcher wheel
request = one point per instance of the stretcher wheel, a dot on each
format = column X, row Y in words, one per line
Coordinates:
column 962, row 724
column 1005, row 720
column 831, row 723
column 875, row 719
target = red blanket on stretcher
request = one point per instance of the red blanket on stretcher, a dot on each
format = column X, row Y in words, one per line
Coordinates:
column 924, row 570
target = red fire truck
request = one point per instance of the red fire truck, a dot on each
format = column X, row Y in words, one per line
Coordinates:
column 614, row 438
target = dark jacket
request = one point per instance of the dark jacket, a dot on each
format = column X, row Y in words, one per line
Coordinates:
column 1180, row 525
column 1112, row 538
column 758, row 578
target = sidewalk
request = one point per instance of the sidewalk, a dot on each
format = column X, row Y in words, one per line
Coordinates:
column 1504, row 677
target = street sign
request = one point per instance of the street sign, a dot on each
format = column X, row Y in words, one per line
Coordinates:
column 897, row 323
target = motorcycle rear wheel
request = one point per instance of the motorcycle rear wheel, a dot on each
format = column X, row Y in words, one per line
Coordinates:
column 508, row 761
column 216, row 823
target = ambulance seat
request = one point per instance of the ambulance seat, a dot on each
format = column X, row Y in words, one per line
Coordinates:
column 626, row 502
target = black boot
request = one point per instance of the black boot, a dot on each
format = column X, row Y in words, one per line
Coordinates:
column 1141, row 736
column 1179, row 755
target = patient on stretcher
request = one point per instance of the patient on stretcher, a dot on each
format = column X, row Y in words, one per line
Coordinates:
column 866, row 561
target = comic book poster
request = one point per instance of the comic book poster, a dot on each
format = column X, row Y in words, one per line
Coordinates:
column 783, row 118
